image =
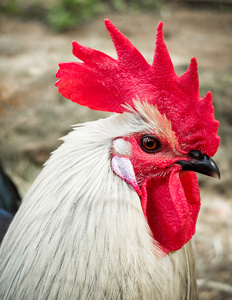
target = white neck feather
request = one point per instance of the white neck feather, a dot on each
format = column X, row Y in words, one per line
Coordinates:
column 81, row 233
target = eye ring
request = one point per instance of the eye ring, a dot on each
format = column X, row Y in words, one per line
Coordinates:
column 150, row 143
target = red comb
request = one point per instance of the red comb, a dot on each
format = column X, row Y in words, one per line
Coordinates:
column 103, row 83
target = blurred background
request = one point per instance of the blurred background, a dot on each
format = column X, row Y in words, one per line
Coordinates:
column 35, row 35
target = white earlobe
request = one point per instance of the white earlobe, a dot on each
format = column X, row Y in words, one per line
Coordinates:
column 123, row 167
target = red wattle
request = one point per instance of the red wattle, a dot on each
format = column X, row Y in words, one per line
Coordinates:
column 173, row 204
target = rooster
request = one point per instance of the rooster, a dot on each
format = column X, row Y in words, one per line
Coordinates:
column 112, row 214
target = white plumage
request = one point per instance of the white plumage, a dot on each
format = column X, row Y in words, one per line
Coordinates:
column 81, row 233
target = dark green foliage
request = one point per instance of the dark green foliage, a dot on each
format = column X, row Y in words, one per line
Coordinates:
column 9, row 7
column 65, row 14
column 68, row 13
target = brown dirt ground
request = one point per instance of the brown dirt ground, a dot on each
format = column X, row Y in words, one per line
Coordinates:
column 33, row 115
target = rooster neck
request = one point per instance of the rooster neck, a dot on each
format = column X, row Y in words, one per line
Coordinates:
column 81, row 234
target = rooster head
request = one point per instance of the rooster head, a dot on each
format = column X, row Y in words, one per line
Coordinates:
column 178, row 140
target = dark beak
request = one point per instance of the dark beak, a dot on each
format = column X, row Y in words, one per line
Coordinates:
column 200, row 163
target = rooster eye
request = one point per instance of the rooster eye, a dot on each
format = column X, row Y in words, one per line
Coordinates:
column 150, row 144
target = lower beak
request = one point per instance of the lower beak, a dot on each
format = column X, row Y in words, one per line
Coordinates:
column 200, row 163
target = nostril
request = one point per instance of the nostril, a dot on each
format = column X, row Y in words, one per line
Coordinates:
column 196, row 154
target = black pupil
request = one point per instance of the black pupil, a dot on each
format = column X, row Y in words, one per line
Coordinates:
column 150, row 143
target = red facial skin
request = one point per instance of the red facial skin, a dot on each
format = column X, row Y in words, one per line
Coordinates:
column 170, row 197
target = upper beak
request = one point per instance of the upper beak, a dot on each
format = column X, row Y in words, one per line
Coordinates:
column 200, row 163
